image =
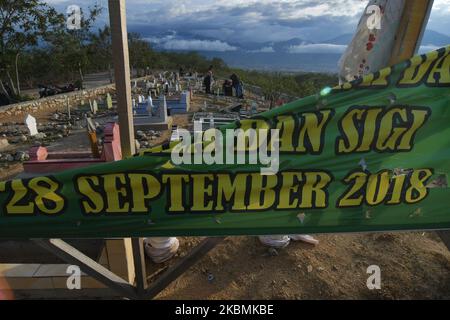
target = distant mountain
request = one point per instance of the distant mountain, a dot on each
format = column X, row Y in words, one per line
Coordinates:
column 344, row 39
column 291, row 55
column 278, row 61
column 283, row 46
column 435, row 38
column 430, row 38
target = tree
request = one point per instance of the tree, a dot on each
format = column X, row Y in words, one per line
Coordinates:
column 141, row 54
column 100, row 51
column 22, row 24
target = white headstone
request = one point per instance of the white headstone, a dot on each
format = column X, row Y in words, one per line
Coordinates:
column 30, row 121
column 94, row 107
column 150, row 101
column 68, row 107
column 109, row 103
column 149, row 106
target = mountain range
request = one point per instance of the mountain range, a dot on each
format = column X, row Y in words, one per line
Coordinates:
column 292, row 55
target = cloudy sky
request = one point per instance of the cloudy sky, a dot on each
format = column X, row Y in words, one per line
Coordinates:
column 223, row 24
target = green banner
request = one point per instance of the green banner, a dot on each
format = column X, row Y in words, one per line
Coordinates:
column 370, row 155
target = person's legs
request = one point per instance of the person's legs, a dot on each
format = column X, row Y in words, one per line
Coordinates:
column 239, row 91
column 236, row 90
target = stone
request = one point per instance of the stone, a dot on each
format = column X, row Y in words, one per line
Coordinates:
column 137, row 144
column 94, row 107
column 40, row 135
column 109, row 103
column 140, row 134
column 30, row 121
column 3, row 144
column 23, row 138
column 21, row 156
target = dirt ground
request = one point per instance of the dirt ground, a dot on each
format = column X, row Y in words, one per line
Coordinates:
column 413, row 265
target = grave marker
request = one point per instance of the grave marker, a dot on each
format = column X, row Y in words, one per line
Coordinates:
column 109, row 103
column 30, row 121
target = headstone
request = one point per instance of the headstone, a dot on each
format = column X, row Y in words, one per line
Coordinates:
column 163, row 109
column 68, row 107
column 149, row 106
column 150, row 101
column 109, row 103
column 254, row 108
column 94, row 107
column 30, row 121
column 91, row 126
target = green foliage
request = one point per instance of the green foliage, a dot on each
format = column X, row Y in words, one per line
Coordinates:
column 274, row 85
column 22, row 24
column 65, row 55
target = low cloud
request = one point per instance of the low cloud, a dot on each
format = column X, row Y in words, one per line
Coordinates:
column 200, row 45
column 317, row 48
column 263, row 50
column 428, row 48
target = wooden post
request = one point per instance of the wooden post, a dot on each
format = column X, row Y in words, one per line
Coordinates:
column 410, row 31
column 120, row 251
column 121, row 61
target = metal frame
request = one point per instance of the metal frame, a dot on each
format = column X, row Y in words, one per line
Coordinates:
column 141, row 290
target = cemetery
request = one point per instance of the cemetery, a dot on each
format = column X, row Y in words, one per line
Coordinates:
column 110, row 143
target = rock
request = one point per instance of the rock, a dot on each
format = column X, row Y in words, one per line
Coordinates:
column 40, row 135
column 3, row 144
column 23, row 138
column 310, row 268
column 60, row 136
column 273, row 252
column 21, row 156
column 140, row 134
column 138, row 145
column 9, row 158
